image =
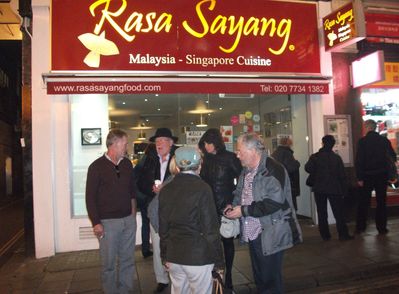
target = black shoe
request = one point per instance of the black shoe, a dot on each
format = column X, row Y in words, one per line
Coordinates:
column 326, row 238
column 161, row 287
column 383, row 232
column 147, row 254
column 346, row 238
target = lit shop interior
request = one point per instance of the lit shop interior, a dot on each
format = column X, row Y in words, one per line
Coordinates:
column 188, row 116
column 382, row 105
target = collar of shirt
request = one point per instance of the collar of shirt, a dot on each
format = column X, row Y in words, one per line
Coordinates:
column 164, row 165
column 109, row 158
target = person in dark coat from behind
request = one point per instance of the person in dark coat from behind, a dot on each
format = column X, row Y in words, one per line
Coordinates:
column 329, row 183
column 285, row 155
column 374, row 152
column 188, row 227
column 219, row 169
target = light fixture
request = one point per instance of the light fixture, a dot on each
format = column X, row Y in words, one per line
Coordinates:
column 141, row 136
column 202, row 123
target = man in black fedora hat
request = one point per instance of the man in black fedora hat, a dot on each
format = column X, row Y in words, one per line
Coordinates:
column 153, row 172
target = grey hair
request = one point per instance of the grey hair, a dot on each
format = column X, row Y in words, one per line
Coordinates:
column 114, row 135
column 370, row 124
column 252, row 141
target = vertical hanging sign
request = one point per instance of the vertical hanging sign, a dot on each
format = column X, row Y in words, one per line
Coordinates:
column 344, row 26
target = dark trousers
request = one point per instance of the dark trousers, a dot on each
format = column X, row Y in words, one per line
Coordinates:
column 267, row 270
column 336, row 202
column 294, row 202
column 379, row 184
column 228, row 248
column 145, row 226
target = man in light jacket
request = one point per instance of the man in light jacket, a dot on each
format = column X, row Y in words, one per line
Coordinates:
column 263, row 201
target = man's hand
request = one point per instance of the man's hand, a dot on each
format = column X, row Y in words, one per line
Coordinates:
column 166, row 265
column 234, row 213
column 99, row 231
column 156, row 188
column 360, row 183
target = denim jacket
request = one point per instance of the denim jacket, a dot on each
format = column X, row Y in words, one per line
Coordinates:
column 273, row 206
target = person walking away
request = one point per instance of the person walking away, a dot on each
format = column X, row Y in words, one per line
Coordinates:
column 285, row 155
column 326, row 168
column 153, row 172
column 263, row 201
column 220, row 169
column 189, row 227
column 373, row 156
column 111, row 206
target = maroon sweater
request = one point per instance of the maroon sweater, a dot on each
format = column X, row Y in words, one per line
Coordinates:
column 107, row 194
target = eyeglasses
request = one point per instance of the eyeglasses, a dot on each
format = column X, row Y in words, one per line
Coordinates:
column 118, row 173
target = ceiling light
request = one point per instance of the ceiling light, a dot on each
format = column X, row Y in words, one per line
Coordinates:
column 141, row 136
column 141, row 128
column 201, row 111
column 202, row 124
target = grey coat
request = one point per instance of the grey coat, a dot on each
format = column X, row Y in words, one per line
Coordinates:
column 273, row 206
column 152, row 210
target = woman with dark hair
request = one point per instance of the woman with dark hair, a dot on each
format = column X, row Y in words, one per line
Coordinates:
column 219, row 169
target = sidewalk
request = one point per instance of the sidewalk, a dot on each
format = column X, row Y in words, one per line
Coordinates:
column 307, row 267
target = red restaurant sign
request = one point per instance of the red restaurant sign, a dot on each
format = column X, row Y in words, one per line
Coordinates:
column 213, row 36
column 382, row 28
column 344, row 26
column 181, row 85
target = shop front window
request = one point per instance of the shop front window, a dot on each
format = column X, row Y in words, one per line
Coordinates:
column 382, row 106
column 187, row 115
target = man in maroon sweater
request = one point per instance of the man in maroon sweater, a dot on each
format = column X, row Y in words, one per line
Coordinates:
column 111, row 206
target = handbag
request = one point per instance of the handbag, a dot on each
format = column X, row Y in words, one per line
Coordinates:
column 218, row 285
column 229, row 228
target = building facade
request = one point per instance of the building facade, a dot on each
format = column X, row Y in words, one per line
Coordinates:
column 152, row 67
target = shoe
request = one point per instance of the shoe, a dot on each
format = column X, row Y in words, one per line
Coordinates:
column 326, row 238
column 161, row 287
column 383, row 232
column 346, row 238
column 359, row 231
column 147, row 254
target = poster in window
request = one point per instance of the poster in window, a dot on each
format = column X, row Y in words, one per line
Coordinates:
column 339, row 126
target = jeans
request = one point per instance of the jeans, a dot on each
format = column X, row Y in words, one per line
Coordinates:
column 267, row 270
column 145, row 227
column 117, row 254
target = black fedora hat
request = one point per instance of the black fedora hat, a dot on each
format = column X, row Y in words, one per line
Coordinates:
column 163, row 132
